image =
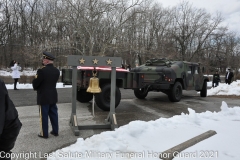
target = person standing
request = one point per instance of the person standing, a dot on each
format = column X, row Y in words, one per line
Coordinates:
column 10, row 124
column 45, row 84
column 15, row 72
column 228, row 77
column 216, row 79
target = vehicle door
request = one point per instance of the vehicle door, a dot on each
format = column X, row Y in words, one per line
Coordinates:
column 190, row 77
column 197, row 77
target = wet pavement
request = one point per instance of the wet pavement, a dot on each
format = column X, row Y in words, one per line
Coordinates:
column 156, row 105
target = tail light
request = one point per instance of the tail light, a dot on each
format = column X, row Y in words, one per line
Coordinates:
column 87, row 74
column 168, row 79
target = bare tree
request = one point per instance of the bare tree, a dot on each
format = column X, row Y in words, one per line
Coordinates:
column 126, row 28
column 191, row 28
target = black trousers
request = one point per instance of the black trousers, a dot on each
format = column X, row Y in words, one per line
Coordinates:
column 15, row 83
column 228, row 81
column 215, row 83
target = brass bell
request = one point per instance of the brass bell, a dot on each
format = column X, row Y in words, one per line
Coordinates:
column 94, row 85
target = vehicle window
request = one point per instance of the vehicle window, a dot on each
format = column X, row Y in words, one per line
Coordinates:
column 199, row 69
column 196, row 70
column 189, row 70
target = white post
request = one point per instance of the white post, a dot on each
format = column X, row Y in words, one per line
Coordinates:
column 93, row 105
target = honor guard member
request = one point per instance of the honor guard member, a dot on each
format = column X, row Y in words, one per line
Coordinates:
column 228, row 77
column 10, row 124
column 45, row 84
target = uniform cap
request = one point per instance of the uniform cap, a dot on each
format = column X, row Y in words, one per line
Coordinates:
column 47, row 55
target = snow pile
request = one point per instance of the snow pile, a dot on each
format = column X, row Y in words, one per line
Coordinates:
column 225, row 89
column 29, row 86
column 146, row 140
column 22, row 73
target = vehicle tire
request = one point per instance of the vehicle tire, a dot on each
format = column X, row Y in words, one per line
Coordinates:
column 203, row 92
column 175, row 94
column 103, row 98
column 83, row 96
column 140, row 93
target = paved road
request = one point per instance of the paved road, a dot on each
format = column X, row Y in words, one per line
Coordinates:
column 155, row 106
column 27, row 97
column 155, row 100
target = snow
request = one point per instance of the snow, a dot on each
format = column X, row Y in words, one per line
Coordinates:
column 225, row 89
column 29, row 86
column 28, row 72
column 147, row 140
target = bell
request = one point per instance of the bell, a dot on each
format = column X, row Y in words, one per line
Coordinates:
column 94, row 85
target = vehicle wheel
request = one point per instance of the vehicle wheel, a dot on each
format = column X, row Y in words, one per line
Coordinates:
column 103, row 98
column 140, row 93
column 83, row 96
column 203, row 92
column 175, row 94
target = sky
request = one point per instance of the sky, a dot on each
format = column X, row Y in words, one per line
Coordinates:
column 230, row 10
column 147, row 140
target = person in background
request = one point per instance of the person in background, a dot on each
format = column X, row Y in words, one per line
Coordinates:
column 129, row 67
column 228, row 77
column 15, row 72
column 45, row 84
column 216, row 79
column 10, row 124
column 123, row 67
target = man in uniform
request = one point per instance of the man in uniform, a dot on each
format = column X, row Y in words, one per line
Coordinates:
column 45, row 84
column 228, row 77
column 10, row 125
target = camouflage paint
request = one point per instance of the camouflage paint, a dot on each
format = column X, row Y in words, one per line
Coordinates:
column 159, row 74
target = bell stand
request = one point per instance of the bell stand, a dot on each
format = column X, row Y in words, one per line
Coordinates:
column 76, row 60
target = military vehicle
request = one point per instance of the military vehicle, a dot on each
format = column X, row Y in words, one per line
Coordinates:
column 158, row 75
column 170, row 77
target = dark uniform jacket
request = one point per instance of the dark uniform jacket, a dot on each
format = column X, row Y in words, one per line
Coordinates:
column 45, row 84
column 216, row 78
column 10, row 125
column 230, row 76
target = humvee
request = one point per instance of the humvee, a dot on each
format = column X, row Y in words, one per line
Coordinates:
column 158, row 75
column 170, row 77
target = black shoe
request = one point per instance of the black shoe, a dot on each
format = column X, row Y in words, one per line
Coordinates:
column 16, row 89
column 39, row 135
column 55, row 134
